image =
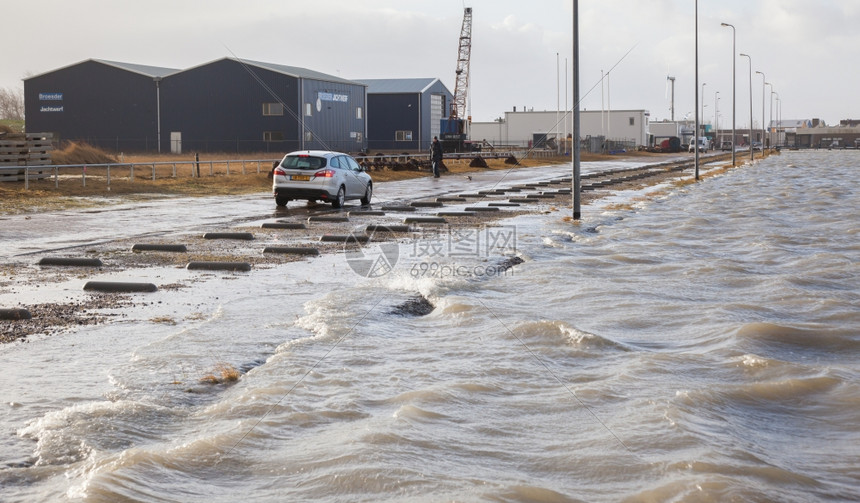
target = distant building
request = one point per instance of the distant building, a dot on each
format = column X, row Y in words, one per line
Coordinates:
column 228, row 105
column 663, row 130
column 816, row 134
column 404, row 114
column 528, row 128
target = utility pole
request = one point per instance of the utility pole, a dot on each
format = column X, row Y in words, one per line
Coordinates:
column 575, row 137
column 734, row 88
column 716, row 119
column 752, row 151
column 696, row 134
column 763, row 83
column 672, row 102
column 557, row 105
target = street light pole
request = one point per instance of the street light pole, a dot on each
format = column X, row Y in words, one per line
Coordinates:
column 763, row 79
column 770, row 119
column 777, row 116
column 734, row 86
column 716, row 117
column 779, row 137
column 696, row 130
column 752, row 154
column 703, row 113
column 557, row 106
column 772, row 126
column 575, row 157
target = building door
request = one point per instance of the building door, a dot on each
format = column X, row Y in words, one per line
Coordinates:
column 176, row 142
column 437, row 105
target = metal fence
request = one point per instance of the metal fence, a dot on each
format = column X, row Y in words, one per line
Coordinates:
column 129, row 172
column 603, row 145
column 149, row 170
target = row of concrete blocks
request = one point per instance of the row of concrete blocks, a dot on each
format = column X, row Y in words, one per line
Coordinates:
column 132, row 287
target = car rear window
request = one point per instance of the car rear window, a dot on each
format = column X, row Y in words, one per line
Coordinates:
column 303, row 162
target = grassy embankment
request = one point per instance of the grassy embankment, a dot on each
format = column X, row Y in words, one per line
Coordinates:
column 11, row 125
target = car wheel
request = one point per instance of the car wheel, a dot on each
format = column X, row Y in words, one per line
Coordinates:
column 367, row 195
column 340, row 198
column 281, row 200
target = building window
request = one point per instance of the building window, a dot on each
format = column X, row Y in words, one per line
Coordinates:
column 632, row 121
column 273, row 109
column 309, row 136
column 358, row 112
column 308, row 109
column 273, row 136
column 403, row 135
column 358, row 137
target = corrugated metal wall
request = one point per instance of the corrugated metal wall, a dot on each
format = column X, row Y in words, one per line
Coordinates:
column 218, row 107
column 390, row 113
column 432, row 115
column 330, row 116
column 96, row 103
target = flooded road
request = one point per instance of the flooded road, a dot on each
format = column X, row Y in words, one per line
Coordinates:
column 38, row 232
column 698, row 345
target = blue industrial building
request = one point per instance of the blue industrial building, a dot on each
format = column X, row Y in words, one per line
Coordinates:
column 249, row 106
column 228, row 105
column 108, row 104
column 404, row 114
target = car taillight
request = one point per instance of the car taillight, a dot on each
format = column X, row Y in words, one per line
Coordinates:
column 279, row 171
column 324, row 173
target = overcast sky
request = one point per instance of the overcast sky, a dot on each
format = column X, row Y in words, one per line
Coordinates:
column 807, row 49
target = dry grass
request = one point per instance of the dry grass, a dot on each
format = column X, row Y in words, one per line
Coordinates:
column 167, row 175
column 620, row 207
column 79, row 187
column 224, row 373
column 166, row 320
column 683, row 182
column 81, row 153
column 9, row 127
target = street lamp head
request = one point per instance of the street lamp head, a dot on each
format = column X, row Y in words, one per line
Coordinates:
column 725, row 24
column 744, row 55
column 759, row 72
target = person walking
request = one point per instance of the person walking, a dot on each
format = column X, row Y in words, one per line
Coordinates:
column 436, row 155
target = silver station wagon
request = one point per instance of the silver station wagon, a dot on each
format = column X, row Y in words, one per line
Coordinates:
column 319, row 175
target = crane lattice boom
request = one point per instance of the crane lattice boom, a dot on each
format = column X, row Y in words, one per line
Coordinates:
column 461, row 87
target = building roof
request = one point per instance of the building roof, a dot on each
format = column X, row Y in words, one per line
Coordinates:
column 398, row 86
column 294, row 71
column 148, row 71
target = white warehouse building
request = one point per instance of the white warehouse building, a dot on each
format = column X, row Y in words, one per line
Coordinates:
column 526, row 129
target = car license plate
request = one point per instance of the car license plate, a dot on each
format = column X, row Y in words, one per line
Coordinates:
column 301, row 178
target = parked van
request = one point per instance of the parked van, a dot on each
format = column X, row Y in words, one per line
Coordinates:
column 704, row 145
